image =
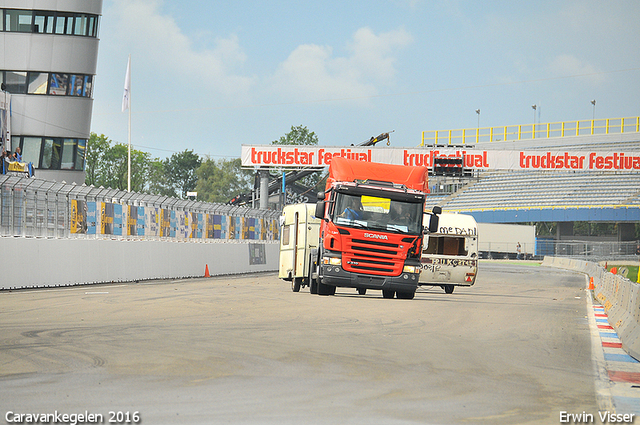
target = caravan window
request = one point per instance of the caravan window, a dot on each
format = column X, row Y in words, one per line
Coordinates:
column 285, row 234
column 446, row 245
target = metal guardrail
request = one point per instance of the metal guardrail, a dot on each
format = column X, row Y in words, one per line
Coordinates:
column 31, row 207
column 531, row 131
column 588, row 250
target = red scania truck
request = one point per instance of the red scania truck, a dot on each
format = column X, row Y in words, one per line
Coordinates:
column 371, row 229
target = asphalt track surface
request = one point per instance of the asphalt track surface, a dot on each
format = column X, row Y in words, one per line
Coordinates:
column 513, row 349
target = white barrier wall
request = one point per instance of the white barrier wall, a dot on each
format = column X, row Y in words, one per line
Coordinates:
column 37, row 262
column 619, row 296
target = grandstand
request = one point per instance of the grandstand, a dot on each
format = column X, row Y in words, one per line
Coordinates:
column 502, row 196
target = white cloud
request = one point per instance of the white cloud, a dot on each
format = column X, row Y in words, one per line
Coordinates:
column 158, row 40
column 569, row 65
column 312, row 72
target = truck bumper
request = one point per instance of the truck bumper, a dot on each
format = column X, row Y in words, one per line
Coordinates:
column 337, row 276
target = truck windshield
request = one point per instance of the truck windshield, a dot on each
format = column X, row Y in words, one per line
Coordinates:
column 377, row 213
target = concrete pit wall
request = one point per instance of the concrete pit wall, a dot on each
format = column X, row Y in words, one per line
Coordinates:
column 619, row 296
column 37, row 262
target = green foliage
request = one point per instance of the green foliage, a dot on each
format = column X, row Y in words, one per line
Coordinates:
column 221, row 180
column 180, row 172
column 628, row 271
column 299, row 135
column 107, row 165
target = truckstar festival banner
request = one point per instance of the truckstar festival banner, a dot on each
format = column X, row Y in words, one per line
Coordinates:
column 321, row 156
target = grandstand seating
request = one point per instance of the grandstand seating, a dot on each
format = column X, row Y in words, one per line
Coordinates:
column 546, row 189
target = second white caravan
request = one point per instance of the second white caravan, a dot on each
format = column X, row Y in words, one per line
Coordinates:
column 450, row 255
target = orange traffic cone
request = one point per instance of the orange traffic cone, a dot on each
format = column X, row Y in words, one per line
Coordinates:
column 206, row 271
column 591, row 286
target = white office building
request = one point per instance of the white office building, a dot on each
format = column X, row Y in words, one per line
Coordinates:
column 48, row 59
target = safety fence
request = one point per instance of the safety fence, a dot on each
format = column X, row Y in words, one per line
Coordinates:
column 619, row 296
column 531, row 131
column 588, row 250
column 31, row 207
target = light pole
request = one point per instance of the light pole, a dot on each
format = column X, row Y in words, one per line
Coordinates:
column 533, row 132
column 593, row 102
column 478, row 128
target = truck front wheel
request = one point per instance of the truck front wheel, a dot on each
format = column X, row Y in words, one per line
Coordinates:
column 388, row 293
column 325, row 289
column 408, row 295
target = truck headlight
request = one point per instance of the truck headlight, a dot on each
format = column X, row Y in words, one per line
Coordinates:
column 410, row 269
column 334, row 261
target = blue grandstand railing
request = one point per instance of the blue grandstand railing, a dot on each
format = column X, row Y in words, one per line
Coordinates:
column 531, row 131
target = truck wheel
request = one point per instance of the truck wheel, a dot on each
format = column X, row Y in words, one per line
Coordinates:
column 362, row 291
column 295, row 284
column 408, row 295
column 387, row 293
column 448, row 289
column 313, row 286
column 325, row 289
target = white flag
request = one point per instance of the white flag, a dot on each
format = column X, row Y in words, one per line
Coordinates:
column 126, row 97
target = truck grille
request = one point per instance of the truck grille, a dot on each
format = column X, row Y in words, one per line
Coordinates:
column 372, row 257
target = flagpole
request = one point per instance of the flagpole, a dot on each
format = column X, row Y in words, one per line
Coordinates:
column 129, row 152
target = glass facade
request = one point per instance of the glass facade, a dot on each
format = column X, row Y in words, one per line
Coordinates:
column 52, row 83
column 49, row 22
column 43, row 150
column 52, row 153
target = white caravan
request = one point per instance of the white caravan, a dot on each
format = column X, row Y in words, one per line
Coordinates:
column 450, row 255
column 300, row 231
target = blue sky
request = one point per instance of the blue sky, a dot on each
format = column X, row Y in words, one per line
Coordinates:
column 212, row 75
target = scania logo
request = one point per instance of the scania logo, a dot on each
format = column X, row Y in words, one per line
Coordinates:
column 375, row 236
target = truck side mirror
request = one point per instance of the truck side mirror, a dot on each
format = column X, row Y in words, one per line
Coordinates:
column 433, row 224
column 320, row 196
column 437, row 209
column 320, row 210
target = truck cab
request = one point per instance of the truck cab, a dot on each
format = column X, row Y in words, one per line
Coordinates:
column 371, row 238
column 450, row 254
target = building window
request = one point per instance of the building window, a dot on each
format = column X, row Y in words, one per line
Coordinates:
column 49, row 22
column 75, row 85
column 81, row 151
column 17, row 20
column 68, row 154
column 16, row 82
column 37, row 83
column 43, row 22
column 88, row 83
column 58, row 84
column 41, row 83
column 53, row 153
column 31, row 150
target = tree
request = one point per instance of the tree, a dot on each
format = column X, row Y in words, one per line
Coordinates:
column 158, row 183
column 96, row 147
column 301, row 135
column 220, row 181
column 180, row 171
column 107, row 165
